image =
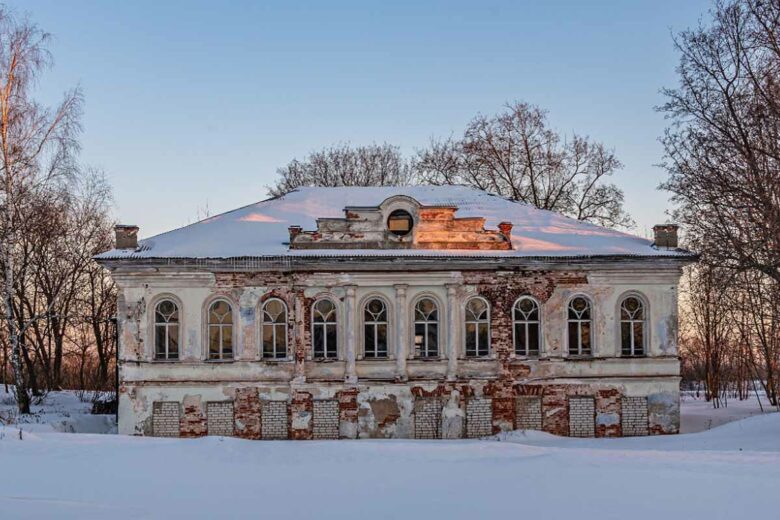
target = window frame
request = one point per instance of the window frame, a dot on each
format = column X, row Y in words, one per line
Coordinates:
column 466, row 322
column 207, row 329
column 645, row 321
column 325, row 325
column 414, row 322
column 539, row 321
column 285, row 323
column 388, row 330
column 591, row 333
column 159, row 300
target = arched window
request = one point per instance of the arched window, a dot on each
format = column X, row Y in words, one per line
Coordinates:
column 220, row 330
column 526, row 322
column 375, row 329
column 477, row 328
column 580, row 327
column 632, row 326
column 426, row 328
column 166, row 330
column 274, row 329
column 323, row 330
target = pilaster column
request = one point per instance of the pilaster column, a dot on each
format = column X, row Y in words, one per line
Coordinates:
column 350, row 334
column 453, row 321
column 299, row 353
column 401, row 332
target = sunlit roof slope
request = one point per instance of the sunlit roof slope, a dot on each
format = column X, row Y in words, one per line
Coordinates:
column 261, row 229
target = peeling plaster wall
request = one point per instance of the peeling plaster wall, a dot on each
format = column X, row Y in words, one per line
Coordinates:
column 376, row 398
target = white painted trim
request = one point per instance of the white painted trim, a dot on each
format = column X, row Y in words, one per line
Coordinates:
column 206, row 338
column 361, row 333
column 288, row 354
column 619, row 323
column 339, row 326
column 541, row 327
column 151, row 330
column 490, row 353
column 592, row 331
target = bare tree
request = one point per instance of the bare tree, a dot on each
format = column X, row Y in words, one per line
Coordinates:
column 37, row 146
column 707, row 332
column 517, row 155
column 345, row 165
column 723, row 144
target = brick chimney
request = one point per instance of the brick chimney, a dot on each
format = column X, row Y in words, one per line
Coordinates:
column 506, row 229
column 126, row 236
column 666, row 235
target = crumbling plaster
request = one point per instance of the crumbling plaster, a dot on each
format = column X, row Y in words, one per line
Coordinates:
column 384, row 403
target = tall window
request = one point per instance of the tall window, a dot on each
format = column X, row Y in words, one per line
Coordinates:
column 375, row 329
column 220, row 330
column 477, row 328
column 166, row 330
column 274, row 329
column 426, row 328
column 632, row 327
column 525, row 318
column 324, row 336
column 579, row 327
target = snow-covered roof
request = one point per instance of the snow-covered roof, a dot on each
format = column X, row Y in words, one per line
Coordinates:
column 261, row 229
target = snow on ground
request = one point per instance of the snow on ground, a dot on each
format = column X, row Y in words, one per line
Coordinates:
column 59, row 412
column 726, row 472
column 698, row 415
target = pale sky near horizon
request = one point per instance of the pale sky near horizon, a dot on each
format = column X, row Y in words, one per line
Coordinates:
column 195, row 104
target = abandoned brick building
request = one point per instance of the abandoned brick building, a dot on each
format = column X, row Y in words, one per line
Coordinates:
column 420, row 312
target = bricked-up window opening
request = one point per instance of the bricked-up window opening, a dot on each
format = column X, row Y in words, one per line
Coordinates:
column 375, row 329
column 579, row 327
column 400, row 222
column 525, row 317
column 426, row 328
column 324, row 336
column 166, row 330
column 274, row 329
column 477, row 328
column 220, row 330
column 632, row 326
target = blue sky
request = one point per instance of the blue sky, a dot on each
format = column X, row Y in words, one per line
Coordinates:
column 195, row 104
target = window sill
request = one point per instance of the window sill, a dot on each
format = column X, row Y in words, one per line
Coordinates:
column 275, row 361
column 163, row 361
column 583, row 357
column 523, row 357
column 323, row 360
column 220, row 361
column 479, row 358
column 430, row 359
column 634, row 356
column 375, row 359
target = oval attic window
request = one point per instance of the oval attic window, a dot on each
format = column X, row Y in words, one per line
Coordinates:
column 400, row 222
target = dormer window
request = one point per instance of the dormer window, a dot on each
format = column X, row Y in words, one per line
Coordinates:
column 400, row 222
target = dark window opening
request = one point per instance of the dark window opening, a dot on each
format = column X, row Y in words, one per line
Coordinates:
column 400, row 222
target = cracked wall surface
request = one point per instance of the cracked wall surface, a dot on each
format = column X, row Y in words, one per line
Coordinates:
column 354, row 397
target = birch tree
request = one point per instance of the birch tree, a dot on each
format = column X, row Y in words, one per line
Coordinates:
column 37, row 148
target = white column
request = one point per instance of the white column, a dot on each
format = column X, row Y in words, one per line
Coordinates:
column 350, row 335
column 299, row 349
column 401, row 332
column 453, row 322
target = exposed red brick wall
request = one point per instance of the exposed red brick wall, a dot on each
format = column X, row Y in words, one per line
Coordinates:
column 247, row 413
column 348, row 405
column 608, row 402
column 193, row 420
column 555, row 410
column 302, row 403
